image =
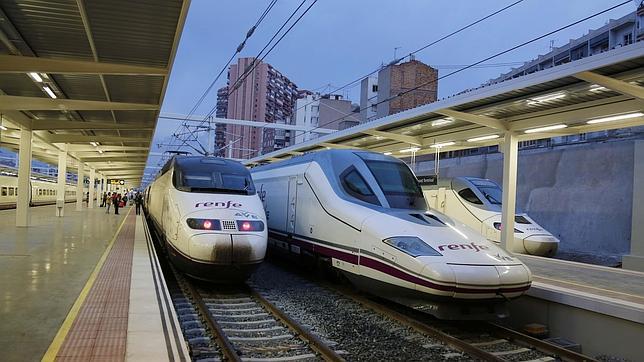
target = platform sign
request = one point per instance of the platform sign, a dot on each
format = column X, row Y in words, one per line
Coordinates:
column 427, row 180
column 114, row 181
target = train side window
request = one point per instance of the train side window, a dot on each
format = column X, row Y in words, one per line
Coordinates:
column 470, row 196
column 10, row 191
column 4, row 191
column 356, row 186
column 16, row 191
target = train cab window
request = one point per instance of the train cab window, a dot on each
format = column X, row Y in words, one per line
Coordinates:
column 398, row 183
column 10, row 191
column 490, row 190
column 357, row 187
column 470, row 196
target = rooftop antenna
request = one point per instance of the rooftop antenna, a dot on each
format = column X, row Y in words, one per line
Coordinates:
column 552, row 44
column 395, row 51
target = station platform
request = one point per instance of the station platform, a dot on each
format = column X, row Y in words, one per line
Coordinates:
column 86, row 286
column 599, row 308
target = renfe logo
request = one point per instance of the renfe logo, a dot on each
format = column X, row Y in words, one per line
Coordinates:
column 221, row 204
column 471, row 246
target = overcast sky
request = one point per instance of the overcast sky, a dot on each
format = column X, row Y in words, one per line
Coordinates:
column 338, row 41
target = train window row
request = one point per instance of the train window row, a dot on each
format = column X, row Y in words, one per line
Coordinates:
column 9, row 191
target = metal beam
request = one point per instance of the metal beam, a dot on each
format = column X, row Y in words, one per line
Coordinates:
column 72, row 138
column 23, row 64
column 612, row 83
column 336, row 145
column 474, row 118
column 416, row 141
column 111, row 158
column 88, row 148
column 241, row 122
column 17, row 103
column 41, row 124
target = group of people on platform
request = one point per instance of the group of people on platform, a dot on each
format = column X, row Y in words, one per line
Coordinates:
column 117, row 200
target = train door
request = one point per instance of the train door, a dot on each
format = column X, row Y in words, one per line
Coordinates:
column 292, row 204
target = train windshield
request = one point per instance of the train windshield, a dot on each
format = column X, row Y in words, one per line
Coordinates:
column 399, row 185
column 490, row 190
column 212, row 176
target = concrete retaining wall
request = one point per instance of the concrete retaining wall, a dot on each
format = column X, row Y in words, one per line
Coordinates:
column 583, row 194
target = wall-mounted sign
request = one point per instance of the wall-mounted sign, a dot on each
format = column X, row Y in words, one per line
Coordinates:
column 427, row 180
column 114, row 181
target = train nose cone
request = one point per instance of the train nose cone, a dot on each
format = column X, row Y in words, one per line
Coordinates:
column 227, row 249
column 542, row 245
column 490, row 281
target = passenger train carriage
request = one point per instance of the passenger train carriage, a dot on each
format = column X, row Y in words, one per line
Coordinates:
column 209, row 216
column 365, row 214
column 43, row 190
column 477, row 203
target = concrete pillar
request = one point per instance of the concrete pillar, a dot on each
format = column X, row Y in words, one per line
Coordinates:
column 92, row 175
column 635, row 261
column 510, row 159
column 62, row 181
column 24, row 178
column 79, row 187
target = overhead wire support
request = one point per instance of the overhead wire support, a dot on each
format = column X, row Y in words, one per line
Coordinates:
column 481, row 61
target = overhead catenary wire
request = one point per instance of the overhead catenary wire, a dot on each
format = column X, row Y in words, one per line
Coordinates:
column 432, row 43
column 482, row 60
column 239, row 48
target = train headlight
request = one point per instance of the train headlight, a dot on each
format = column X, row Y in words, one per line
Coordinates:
column 204, row 224
column 412, row 245
column 250, row 225
column 498, row 226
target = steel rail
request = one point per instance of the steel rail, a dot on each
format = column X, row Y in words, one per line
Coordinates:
column 542, row 346
column 314, row 341
column 221, row 338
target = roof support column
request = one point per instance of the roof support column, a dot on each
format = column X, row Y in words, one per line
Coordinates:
column 79, row 186
column 635, row 260
column 92, row 176
column 24, row 178
column 510, row 160
column 62, row 181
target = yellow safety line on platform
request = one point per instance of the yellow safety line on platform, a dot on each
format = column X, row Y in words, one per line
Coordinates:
column 55, row 345
column 587, row 286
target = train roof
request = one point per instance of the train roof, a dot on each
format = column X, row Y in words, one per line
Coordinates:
column 197, row 163
column 325, row 154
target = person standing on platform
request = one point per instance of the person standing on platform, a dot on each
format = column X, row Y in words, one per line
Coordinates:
column 138, row 200
column 103, row 199
column 117, row 200
column 108, row 202
column 124, row 200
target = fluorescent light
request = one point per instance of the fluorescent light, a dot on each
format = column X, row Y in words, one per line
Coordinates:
column 618, row 117
column 100, row 151
column 387, row 153
column 411, row 149
column 93, row 143
column 546, row 98
column 50, row 92
column 597, row 88
column 483, row 138
column 444, row 144
column 546, row 128
column 441, row 122
column 35, row 76
column 3, row 127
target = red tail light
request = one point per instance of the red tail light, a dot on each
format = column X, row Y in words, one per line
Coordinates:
column 204, row 224
column 250, row 225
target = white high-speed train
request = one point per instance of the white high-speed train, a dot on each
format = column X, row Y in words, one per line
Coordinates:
column 43, row 190
column 209, row 216
column 365, row 214
column 476, row 202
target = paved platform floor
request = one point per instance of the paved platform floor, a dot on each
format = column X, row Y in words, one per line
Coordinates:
column 42, row 271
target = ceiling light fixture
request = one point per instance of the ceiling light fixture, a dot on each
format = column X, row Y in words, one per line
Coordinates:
column 93, row 143
column 444, row 144
column 35, row 76
column 411, row 149
column 441, row 122
column 100, row 151
column 546, row 98
column 483, row 138
column 597, row 88
column 387, row 153
column 3, row 127
column 618, row 117
column 49, row 92
column 546, row 128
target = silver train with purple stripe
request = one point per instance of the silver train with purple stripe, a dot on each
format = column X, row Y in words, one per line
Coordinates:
column 364, row 213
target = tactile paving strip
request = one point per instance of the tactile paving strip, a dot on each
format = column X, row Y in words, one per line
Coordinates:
column 99, row 332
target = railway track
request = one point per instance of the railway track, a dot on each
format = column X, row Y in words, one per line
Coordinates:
column 247, row 327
